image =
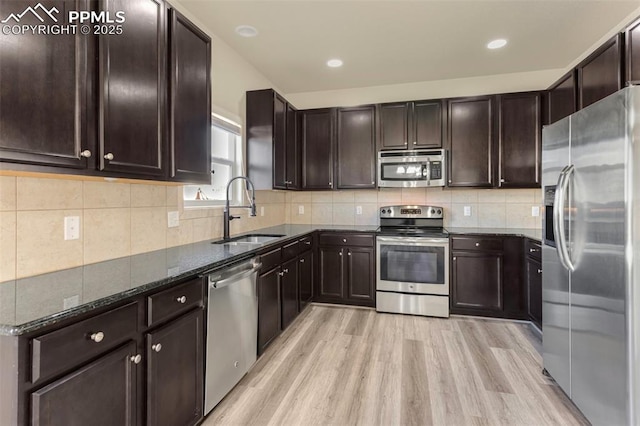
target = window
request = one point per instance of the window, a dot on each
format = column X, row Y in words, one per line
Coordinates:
column 226, row 162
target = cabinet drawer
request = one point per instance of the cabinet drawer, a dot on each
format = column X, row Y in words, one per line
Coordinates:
column 358, row 240
column 477, row 243
column 306, row 243
column 174, row 301
column 291, row 250
column 533, row 249
column 68, row 347
column 271, row 259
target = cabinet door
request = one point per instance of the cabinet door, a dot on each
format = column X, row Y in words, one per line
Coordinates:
column 601, row 73
column 361, row 274
column 293, row 149
column 190, row 119
column 534, row 291
column 305, row 278
column 476, row 281
column 279, row 142
column 131, row 87
column 175, row 367
column 317, row 149
column 44, row 100
column 289, row 292
column 268, row 308
column 632, row 57
column 394, row 125
column 356, row 147
column 519, row 139
column 427, row 124
column 562, row 98
column 101, row 393
column 470, row 140
column 331, row 274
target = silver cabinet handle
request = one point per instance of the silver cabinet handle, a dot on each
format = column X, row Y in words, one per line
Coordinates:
column 108, row 156
column 97, row 337
column 86, row 153
column 539, row 271
column 286, row 271
column 330, row 183
column 415, row 143
column 301, row 260
column 157, row 347
column 281, row 274
column 182, row 299
column 348, row 253
column 308, row 243
column 340, row 253
column 136, row 359
column 477, row 244
column 455, row 258
column 406, row 143
column 532, row 250
column 502, row 181
column 449, row 180
column 373, row 182
column 344, row 240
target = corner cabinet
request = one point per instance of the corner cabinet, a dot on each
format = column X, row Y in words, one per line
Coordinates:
column 562, row 98
column 131, row 90
column 318, row 148
column 59, row 131
column 346, row 269
column 470, row 140
column 356, row 148
column 519, row 140
column 190, row 101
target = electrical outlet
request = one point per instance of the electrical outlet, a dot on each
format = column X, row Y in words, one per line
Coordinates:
column 467, row 210
column 300, row 210
column 173, row 219
column 535, row 211
column 71, row 302
column 358, row 209
column 261, row 210
column 71, row 227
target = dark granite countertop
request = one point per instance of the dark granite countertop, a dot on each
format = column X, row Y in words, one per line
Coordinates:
column 31, row 303
column 534, row 234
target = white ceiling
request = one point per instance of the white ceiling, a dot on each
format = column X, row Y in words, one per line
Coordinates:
column 399, row 41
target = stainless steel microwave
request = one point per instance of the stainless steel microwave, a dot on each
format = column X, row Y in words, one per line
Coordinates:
column 411, row 169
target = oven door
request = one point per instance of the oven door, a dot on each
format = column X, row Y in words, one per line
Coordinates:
column 413, row 265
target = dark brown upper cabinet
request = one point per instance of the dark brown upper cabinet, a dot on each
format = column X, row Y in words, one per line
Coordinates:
column 470, row 142
column 272, row 143
column 601, row 73
column 562, row 98
column 46, row 116
column 131, row 90
column 632, row 56
column 356, row 148
column 519, row 139
column 410, row 125
column 190, row 103
column 318, row 140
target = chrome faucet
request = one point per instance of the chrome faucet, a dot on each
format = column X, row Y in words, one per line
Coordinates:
column 252, row 205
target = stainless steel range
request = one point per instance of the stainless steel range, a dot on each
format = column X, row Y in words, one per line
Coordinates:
column 413, row 261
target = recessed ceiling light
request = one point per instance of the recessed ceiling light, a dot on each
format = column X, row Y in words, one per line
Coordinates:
column 334, row 63
column 497, row 44
column 246, row 31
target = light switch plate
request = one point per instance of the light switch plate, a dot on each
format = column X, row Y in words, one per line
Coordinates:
column 71, row 227
column 358, row 209
column 261, row 210
column 300, row 210
column 467, row 210
column 535, row 211
column 173, row 219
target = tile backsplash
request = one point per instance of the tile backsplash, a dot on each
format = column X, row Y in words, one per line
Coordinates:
column 124, row 217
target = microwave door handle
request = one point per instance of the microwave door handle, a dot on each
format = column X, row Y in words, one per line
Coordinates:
column 428, row 172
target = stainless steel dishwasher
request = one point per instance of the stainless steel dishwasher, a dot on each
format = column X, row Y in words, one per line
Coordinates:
column 232, row 329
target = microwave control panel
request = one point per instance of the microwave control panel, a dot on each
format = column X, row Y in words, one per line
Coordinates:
column 436, row 170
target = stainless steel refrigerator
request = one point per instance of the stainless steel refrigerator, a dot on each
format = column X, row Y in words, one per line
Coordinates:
column 591, row 257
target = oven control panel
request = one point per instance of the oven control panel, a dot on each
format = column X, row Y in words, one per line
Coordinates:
column 431, row 212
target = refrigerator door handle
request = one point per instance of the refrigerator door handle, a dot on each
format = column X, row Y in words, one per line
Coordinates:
column 558, row 217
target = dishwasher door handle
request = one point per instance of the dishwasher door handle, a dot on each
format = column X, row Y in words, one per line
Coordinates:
column 225, row 282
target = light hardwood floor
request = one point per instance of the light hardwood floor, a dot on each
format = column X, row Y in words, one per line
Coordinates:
column 347, row 366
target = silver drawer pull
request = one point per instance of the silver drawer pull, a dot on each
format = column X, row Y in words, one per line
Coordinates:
column 286, row 271
column 281, row 274
column 182, row 299
column 301, row 260
column 348, row 253
column 108, row 156
column 539, row 271
column 308, row 243
column 477, row 244
column 136, row 359
column 86, row 153
column 532, row 250
column 157, row 347
column 97, row 337
column 344, row 240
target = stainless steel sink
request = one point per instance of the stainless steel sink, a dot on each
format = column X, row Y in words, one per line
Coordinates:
column 250, row 239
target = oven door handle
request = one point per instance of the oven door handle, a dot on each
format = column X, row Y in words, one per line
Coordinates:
column 418, row 241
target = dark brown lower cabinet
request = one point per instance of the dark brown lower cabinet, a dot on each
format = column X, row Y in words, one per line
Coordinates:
column 533, row 271
column 289, row 292
column 100, row 393
column 361, row 274
column 305, row 279
column 268, row 308
column 486, row 276
column 175, row 372
column 330, row 270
